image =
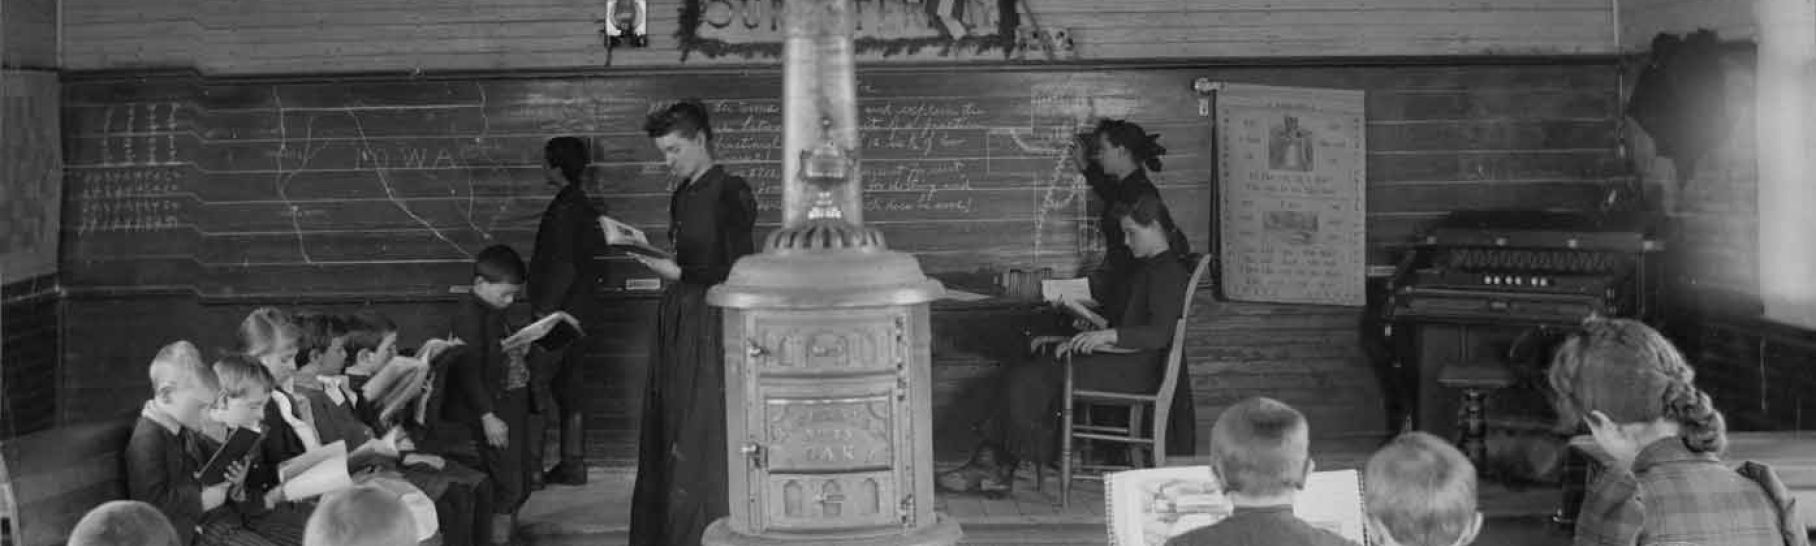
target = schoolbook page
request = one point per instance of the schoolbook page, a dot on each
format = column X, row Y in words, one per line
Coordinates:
column 318, row 471
column 1055, row 290
column 1149, row 506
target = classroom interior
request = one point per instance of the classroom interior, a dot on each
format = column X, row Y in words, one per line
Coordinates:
column 171, row 165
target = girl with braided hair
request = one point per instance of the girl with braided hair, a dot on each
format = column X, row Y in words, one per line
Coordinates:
column 1664, row 481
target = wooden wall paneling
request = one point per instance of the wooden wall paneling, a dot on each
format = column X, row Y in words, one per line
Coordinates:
column 30, row 31
column 269, row 36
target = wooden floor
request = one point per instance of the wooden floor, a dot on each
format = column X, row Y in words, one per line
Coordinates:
column 598, row 513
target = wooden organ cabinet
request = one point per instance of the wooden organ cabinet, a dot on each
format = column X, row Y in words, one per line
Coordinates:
column 1480, row 305
column 827, row 382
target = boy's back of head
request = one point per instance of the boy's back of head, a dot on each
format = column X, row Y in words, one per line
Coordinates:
column 361, row 516
column 123, row 523
column 1259, row 448
column 1422, row 492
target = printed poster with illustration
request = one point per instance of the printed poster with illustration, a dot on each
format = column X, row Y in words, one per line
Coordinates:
column 1291, row 193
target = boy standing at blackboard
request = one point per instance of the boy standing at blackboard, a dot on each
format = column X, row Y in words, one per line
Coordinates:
column 489, row 387
column 563, row 275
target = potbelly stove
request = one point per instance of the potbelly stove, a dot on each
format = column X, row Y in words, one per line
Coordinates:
column 828, row 397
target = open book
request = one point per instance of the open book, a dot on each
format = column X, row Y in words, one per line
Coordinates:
column 1074, row 295
column 551, row 332
column 1148, row 506
column 629, row 239
column 329, row 468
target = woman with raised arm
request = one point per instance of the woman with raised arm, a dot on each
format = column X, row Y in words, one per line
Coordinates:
column 1115, row 158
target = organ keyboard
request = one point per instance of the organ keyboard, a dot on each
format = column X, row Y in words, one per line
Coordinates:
column 1525, row 267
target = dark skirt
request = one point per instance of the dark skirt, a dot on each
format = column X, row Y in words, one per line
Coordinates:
column 1027, row 423
column 681, row 472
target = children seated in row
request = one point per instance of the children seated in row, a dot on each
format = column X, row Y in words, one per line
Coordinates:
column 167, row 451
column 1662, row 480
column 314, row 408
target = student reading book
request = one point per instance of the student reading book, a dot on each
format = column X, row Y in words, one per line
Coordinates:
column 1260, row 463
column 1150, row 506
column 551, row 332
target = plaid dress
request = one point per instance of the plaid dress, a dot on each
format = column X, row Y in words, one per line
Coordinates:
column 1676, row 497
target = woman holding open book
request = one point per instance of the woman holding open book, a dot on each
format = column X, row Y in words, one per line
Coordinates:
column 681, row 466
column 1129, row 355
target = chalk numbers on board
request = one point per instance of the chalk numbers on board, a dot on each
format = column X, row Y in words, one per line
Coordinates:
column 139, row 134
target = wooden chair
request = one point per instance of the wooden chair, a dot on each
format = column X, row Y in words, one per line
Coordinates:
column 1140, row 431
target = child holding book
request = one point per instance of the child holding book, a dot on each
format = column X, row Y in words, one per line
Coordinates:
column 490, row 385
column 1421, row 492
column 166, row 451
column 1260, row 453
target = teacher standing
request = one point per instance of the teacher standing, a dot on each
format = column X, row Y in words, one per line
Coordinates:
column 681, row 464
column 563, row 275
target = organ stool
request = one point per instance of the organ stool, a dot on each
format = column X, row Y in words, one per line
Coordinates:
column 1477, row 380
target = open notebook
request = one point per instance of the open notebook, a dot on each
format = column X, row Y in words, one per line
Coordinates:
column 1148, row 506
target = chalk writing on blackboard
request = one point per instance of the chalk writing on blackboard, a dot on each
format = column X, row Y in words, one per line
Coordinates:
column 128, row 214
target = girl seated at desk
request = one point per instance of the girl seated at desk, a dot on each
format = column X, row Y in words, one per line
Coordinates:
column 1129, row 356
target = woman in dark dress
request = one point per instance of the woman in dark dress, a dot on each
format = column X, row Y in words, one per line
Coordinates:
column 681, row 472
column 1129, row 356
column 1115, row 158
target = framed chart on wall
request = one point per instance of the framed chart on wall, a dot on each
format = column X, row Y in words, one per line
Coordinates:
column 1291, row 209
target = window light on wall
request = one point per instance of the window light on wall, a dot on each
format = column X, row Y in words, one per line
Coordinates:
column 1787, row 159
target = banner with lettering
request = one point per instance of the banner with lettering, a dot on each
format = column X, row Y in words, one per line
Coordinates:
column 31, row 173
column 1292, row 180
column 751, row 28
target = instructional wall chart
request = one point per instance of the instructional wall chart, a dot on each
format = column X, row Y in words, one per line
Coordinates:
column 1292, row 174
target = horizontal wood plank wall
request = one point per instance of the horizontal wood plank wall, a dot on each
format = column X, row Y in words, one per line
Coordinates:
column 1641, row 20
column 29, row 28
column 1441, row 138
column 290, row 36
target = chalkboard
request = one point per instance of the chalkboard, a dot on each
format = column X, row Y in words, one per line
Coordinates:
column 311, row 185
column 390, row 187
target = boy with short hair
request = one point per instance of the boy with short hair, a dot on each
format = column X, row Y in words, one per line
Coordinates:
column 123, row 523
column 245, row 391
column 166, row 451
column 1260, row 453
column 363, row 515
column 489, row 387
column 1421, row 492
